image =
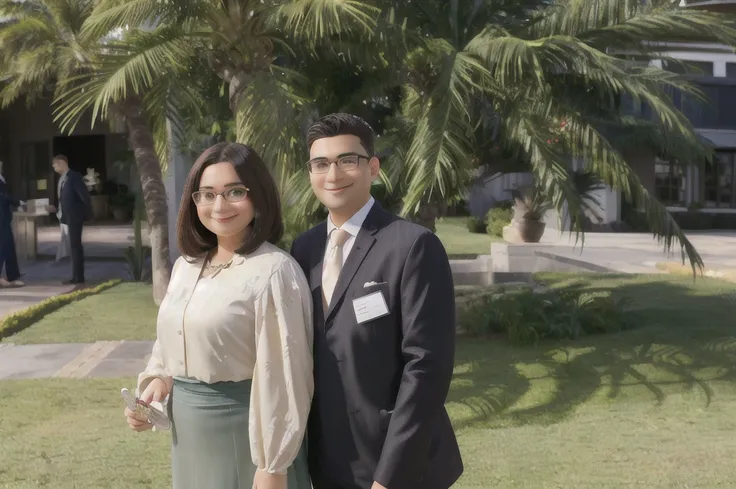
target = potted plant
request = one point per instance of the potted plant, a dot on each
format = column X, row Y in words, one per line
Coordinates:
column 530, row 206
column 98, row 199
column 122, row 204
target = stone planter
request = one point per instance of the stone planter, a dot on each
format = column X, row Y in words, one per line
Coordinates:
column 121, row 214
column 100, row 209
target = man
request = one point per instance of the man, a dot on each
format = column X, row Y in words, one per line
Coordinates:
column 384, row 323
column 8, row 256
column 74, row 208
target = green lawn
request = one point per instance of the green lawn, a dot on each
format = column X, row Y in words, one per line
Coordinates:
column 124, row 312
column 652, row 407
column 459, row 242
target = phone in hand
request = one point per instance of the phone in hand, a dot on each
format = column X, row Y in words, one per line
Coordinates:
column 144, row 411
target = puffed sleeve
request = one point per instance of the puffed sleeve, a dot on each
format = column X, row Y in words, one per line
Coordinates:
column 283, row 382
column 155, row 368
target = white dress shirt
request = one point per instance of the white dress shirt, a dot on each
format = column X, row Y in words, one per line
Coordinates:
column 352, row 226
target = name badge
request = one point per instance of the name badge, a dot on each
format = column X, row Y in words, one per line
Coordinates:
column 369, row 307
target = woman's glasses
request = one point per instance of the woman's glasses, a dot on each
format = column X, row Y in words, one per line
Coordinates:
column 208, row 197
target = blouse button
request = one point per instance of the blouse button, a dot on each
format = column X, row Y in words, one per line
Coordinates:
column 179, row 332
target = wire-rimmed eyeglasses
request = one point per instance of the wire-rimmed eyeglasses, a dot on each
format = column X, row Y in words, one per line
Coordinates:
column 208, row 197
column 345, row 162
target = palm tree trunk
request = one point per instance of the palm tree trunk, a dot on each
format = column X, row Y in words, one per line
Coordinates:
column 154, row 193
column 238, row 83
column 427, row 215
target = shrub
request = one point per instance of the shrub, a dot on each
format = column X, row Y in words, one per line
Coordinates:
column 527, row 317
column 476, row 224
column 498, row 218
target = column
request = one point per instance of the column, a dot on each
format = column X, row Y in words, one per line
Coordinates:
column 174, row 177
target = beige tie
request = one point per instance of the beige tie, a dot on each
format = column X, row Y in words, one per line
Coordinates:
column 333, row 263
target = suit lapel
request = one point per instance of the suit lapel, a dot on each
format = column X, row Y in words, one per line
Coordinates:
column 315, row 274
column 363, row 243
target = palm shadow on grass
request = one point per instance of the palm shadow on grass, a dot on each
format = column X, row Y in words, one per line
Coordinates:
column 684, row 341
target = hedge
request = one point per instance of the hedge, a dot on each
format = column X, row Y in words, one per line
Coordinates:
column 20, row 320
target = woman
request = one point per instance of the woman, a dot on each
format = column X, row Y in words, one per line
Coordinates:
column 234, row 345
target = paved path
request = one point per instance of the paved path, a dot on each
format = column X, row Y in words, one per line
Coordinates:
column 43, row 280
column 640, row 252
column 74, row 360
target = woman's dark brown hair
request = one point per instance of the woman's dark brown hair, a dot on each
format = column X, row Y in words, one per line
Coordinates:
column 193, row 238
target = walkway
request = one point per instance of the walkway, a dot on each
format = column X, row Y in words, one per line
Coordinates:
column 74, row 360
column 43, row 280
column 103, row 247
column 638, row 252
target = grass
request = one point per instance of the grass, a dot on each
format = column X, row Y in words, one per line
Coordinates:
column 461, row 243
column 124, row 312
column 652, row 407
column 680, row 269
column 19, row 320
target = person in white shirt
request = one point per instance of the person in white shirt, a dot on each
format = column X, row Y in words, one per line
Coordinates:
column 234, row 335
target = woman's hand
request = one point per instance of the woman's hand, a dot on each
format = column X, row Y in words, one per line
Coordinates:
column 156, row 390
column 265, row 480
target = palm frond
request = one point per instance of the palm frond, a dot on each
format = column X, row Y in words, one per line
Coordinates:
column 128, row 67
column 314, row 20
column 28, row 75
column 525, row 128
column 439, row 158
column 601, row 158
column 272, row 114
column 123, row 14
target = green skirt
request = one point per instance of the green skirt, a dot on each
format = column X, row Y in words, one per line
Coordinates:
column 210, row 438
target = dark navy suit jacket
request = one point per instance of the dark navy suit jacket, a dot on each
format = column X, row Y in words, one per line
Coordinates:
column 8, row 204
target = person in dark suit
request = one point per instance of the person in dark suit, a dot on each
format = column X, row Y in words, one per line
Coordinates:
column 8, row 256
column 74, row 208
column 384, row 325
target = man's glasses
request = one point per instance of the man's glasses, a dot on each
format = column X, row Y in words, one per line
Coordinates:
column 208, row 197
column 346, row 162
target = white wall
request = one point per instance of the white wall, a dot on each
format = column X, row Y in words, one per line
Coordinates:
column 482, row 195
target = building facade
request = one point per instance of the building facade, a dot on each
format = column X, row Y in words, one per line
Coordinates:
column 29, row 139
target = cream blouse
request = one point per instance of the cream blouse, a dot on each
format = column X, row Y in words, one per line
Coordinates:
column 252, row 320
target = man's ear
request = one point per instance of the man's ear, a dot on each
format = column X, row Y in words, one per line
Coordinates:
column 375, row 165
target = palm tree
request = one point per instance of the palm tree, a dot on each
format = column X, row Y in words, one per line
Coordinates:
column 249, row 44
column 515, row 72
column 256, row 48
column 45, row 44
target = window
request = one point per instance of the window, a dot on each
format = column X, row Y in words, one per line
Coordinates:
column 669, row 182
column 719, row 181
column 686, row 67
column 730, row 70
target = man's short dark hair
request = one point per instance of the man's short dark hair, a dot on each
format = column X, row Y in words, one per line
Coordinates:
column 340, row 124
column 61, row 157
column 193, row 238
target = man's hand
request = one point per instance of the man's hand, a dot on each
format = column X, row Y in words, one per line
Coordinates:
column 51, row 209
column 265, row 480
column 376, row 485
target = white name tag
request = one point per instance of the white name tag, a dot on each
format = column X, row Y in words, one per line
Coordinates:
column 369, row 307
